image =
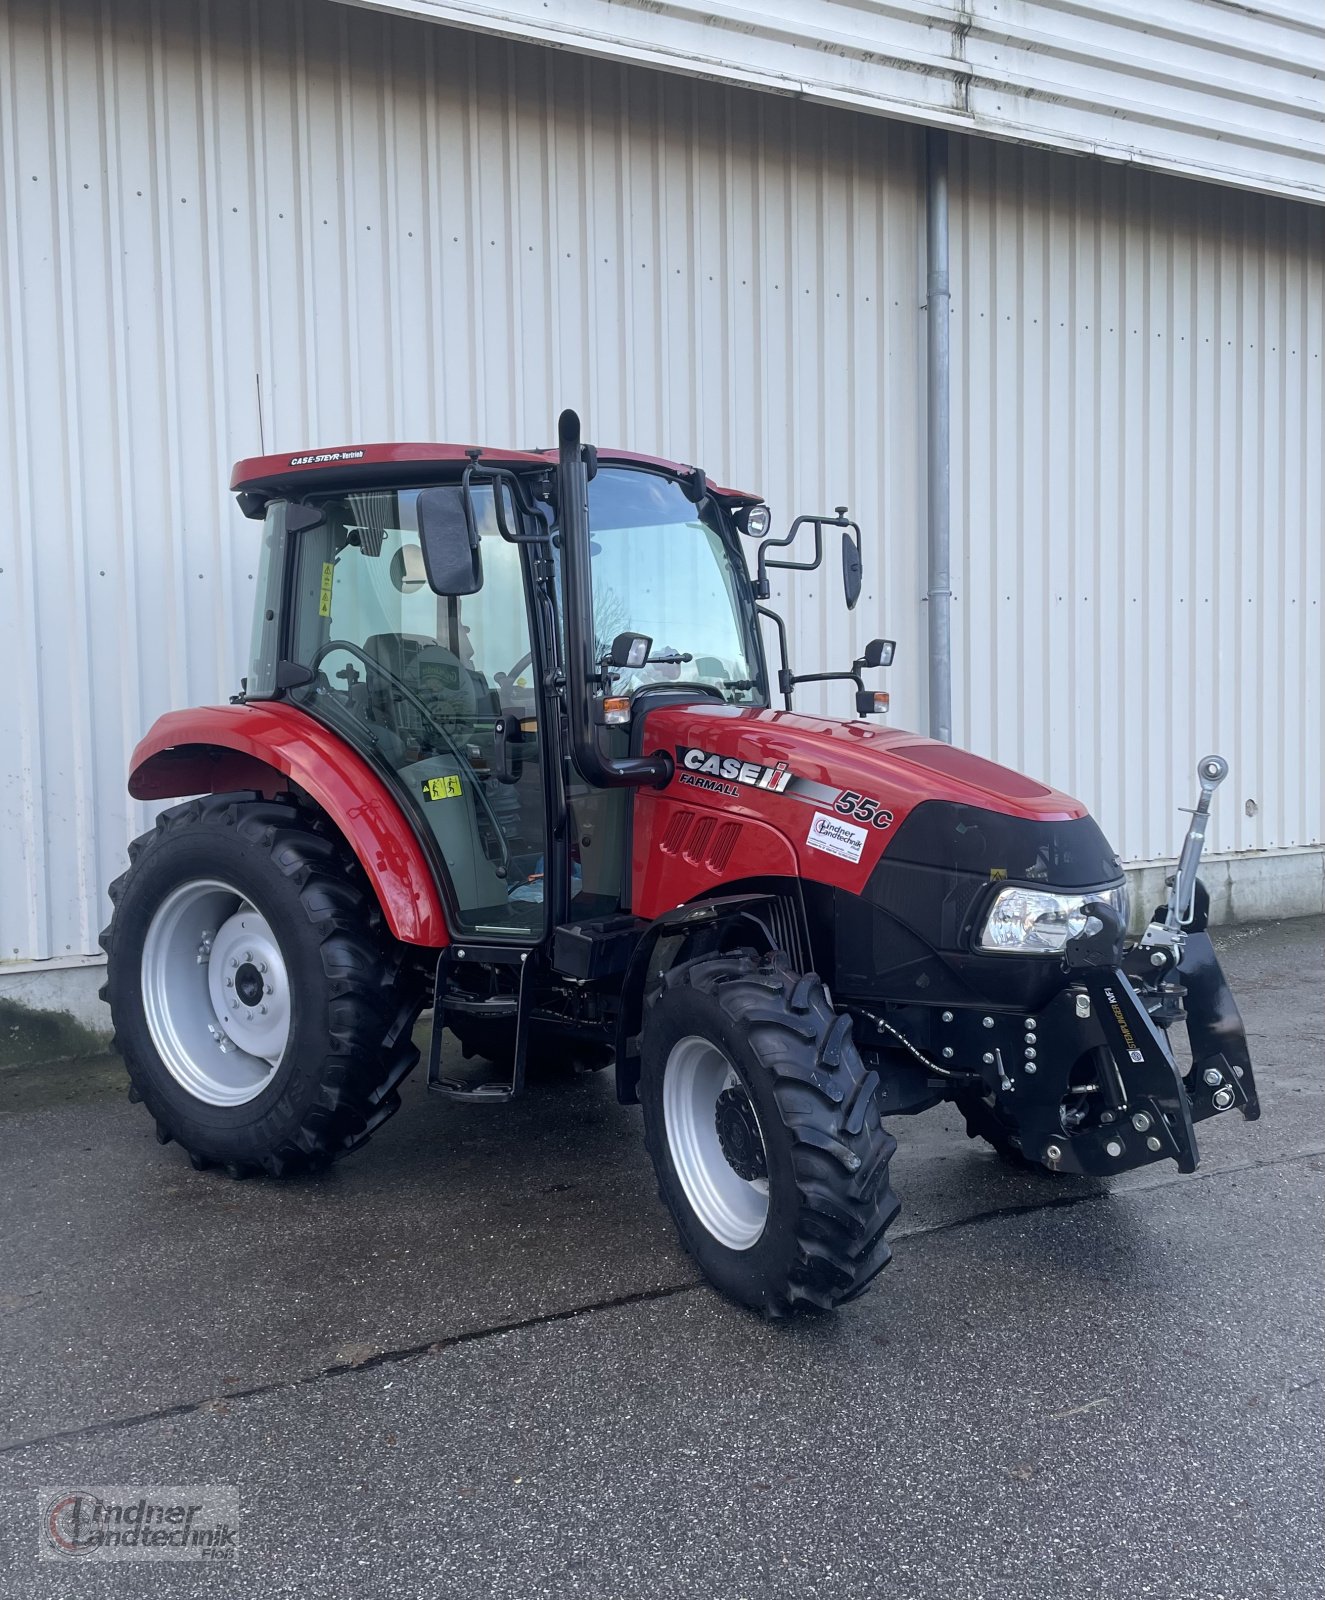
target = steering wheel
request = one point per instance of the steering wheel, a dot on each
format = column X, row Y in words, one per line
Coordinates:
column 507, row 679
column 320, row 655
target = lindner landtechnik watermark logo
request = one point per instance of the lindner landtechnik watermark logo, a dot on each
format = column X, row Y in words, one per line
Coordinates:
column 139, row 1522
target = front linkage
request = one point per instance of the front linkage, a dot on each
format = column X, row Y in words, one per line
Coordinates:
column 1090, row 1083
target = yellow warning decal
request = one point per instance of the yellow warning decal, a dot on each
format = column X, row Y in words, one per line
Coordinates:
column 441, row 788
column 324, row 598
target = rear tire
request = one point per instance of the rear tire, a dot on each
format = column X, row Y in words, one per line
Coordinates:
column 779, row 1186
column 295, row 922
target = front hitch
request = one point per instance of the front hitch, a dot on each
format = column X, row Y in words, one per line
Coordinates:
column 1092, row 1085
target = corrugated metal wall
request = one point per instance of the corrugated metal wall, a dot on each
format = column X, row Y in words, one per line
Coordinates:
column 1224, row 91
column 1138, row 431
column 285, row 224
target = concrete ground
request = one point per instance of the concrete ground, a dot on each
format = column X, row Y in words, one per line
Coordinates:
column 473, row 1361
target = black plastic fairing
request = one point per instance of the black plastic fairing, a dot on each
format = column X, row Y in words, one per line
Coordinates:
column 910, row 935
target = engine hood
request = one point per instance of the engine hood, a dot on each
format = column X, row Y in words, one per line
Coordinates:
column 841, row 755
column 836, row 792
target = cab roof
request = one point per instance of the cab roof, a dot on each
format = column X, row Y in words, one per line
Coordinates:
column 365, row 465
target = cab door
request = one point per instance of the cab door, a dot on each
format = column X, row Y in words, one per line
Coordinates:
column 421, row 683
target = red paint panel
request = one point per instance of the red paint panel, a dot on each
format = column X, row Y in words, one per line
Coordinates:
column 255, row 471
column 826, row 761
column 169, row 762
column 258, row 472
column 682, row 851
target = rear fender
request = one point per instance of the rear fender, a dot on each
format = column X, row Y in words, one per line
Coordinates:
column 272, row 746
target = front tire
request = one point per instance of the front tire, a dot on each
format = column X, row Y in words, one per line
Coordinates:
column 261, row 1008
column 764, row 1129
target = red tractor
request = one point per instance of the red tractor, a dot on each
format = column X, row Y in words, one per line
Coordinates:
column 507, row 748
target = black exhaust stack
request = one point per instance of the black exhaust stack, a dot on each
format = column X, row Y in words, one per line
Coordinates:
column 584, row 682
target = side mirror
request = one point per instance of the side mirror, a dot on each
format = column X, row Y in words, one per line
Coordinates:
column 450, row 542
column 851, row 570
column 630, row 651
column 879, row 653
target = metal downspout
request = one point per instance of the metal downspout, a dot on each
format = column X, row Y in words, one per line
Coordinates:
column 938, row 391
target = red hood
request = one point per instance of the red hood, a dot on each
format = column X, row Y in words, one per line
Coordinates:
column 775, row 793
column 844, row 755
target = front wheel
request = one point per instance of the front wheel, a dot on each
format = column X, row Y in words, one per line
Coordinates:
column 763, row 1125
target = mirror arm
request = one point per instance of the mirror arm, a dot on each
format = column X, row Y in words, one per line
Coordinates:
column 786, row 678
column 499, row 477
column 831, row 677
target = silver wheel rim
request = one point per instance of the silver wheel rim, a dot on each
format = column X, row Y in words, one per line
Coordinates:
column 216, row 993
column 734, row 1209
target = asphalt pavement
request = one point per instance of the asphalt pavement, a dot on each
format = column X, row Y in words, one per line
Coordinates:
column 473, row 1361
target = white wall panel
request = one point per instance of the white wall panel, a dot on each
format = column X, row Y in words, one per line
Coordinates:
column 1137, row 448
column 1234, row 93
column 233, row 226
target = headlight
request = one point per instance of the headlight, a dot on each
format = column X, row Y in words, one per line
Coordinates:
column 1041, row 921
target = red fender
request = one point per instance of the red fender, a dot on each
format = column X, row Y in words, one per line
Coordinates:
column 217, row 748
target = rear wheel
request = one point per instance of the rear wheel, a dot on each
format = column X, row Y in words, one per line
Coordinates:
column 764, row 1128
column 261, row 1008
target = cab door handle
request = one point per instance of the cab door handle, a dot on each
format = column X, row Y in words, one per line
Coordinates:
column 507, row 757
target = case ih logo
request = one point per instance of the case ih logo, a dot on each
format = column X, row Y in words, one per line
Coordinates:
column 728, row 769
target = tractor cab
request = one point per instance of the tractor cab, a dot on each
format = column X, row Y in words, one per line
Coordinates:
column 421, row 614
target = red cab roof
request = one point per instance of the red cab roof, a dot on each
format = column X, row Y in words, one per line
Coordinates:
column 345, row 462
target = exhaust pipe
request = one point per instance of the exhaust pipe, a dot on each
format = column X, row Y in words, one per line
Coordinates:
column 584, row 684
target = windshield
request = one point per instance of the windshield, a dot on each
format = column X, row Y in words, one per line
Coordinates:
column 662, row 567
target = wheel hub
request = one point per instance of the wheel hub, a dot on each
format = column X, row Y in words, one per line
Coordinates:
column 739, row 1136
column 248, row 985
column 716, row 1143
column 217, row 1004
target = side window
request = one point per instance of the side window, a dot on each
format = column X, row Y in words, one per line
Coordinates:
column 419, row 680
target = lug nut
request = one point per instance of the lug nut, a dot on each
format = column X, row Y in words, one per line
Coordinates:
column 229, row 983
column 1152, row 1143
column 947, row 1052
column 1213, row 1076
column 946, row 1017
column 986, row 1022
column 1030, row 1022
column 233, row 962
column 1141, row 1121
column 1030, row 1066
column 1223, row 1098
column 1030, row 1052
column 266, row 988
column 988, row 1058
column 1113, row 1148
column 262, row 966
column 1030, row 1038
